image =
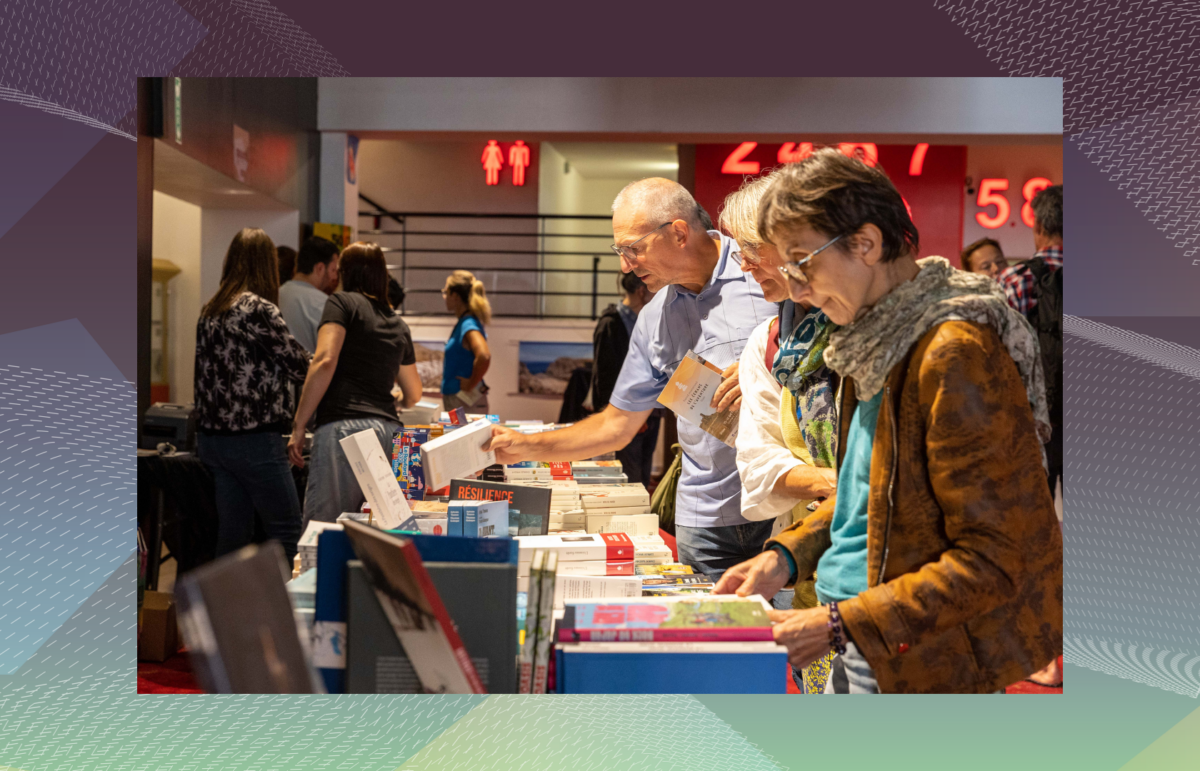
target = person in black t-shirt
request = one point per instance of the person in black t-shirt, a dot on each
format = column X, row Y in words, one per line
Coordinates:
column 363, row 347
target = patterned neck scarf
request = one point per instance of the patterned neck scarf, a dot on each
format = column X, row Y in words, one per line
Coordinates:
column 868, row 348
column 800, row 367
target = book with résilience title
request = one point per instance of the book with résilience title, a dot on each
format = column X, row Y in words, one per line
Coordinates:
column 700, row 620
column 415, row 610
column 689, row 394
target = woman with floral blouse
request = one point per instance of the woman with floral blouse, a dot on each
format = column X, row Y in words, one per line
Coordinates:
column 246, row 361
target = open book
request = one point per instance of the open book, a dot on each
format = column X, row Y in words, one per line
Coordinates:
column 689, row 393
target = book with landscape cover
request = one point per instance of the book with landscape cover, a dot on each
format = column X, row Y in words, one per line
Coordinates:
column 415, row 610
column 689, row 394
column 532, row 612
column 699, row 620
column 545, row 627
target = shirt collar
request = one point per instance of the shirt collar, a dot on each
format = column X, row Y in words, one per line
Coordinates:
column 1050, row 252
column 728, row 266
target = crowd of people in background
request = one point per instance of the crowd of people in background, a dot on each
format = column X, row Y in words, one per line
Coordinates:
column 892, row 487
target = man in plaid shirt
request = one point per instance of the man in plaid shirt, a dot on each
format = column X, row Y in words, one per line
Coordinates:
column 1017, row 281
column 1019, row 286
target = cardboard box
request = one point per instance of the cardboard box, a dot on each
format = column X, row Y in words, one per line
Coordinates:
column 159, row 636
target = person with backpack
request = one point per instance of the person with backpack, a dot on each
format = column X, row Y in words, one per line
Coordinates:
column 1034, row 288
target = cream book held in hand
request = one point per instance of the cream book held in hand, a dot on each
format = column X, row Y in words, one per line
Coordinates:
column 689, row 395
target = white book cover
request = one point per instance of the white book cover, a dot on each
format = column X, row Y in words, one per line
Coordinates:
column 456, row 454
column 308, row 540
column 568, row 588
column 616, row 511
column 374, row 474
column 615, row 500
column 633, row 524
column 594, row 546
column 689, row 395
column 587, row 568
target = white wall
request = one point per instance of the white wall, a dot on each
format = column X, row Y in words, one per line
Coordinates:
column 1016, row 163
column 978, row 106
column 177, row 238
column 219, row 226
column 504, row 335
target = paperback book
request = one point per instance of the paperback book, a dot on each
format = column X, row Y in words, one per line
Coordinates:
column 708, row 619
column 689, row 394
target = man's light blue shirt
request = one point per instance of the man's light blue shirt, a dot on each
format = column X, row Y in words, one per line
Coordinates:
column 301, row 305
column 715, row 324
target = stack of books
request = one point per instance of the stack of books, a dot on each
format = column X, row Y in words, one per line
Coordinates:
column 598, row 472
column 650, row 550
column 303, row 591
column 477, row 519
column 406, row 461
column 493, row 473
column 668, row 645
column 624, row 502
column 602, row 554
column 307, row 547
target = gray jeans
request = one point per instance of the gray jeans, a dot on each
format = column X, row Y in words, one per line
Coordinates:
column 851, row 673
column 332, row 487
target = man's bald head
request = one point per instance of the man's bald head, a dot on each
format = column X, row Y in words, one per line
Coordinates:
column 657, row 200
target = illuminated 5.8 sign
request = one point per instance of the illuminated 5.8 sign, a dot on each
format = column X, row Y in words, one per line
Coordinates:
column 991, row 193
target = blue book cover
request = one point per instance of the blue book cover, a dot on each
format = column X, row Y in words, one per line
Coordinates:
column 759, row 669
column 449, row 548
column 329, row 616
column 492, row 519
column 454, row 517
column 470, row 519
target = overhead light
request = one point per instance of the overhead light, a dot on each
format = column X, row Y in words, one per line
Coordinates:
column 232, row 191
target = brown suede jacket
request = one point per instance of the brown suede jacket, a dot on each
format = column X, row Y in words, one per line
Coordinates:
column 964, row 552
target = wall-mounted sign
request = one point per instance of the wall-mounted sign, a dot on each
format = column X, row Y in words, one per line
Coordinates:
column 991, row 194
column 241, row 152
column 518, row 158
column 493, row 161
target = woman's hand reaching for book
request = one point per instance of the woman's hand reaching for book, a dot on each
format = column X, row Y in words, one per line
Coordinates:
column 805, row 633
column 764, row 575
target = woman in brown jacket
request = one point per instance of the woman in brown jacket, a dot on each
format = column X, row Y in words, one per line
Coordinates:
column 939, row 562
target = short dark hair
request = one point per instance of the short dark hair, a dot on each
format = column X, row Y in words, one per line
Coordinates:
column 313, row 252
column 966, row 253
column 1047, row 210
column 364, row 270
column 395, row 292
column 287, row 262
column 702, row 215
column 836, row 195
column 630, row 283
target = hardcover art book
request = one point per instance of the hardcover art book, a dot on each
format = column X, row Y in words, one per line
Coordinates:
column 715, row 620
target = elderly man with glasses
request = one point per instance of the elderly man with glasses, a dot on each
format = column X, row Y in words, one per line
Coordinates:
column 706, row 305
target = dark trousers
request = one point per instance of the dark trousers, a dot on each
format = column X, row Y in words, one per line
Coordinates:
column 1054, row 460
column 637, row 457
column 253, row 480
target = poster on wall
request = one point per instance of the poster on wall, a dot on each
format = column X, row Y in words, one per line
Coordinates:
column 545, row 368
column 430, row 354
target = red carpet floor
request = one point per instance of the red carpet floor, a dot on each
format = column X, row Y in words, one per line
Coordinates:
column 171, row 676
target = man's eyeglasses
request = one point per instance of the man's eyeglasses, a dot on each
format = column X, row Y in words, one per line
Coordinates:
column 792, row 269
column 628, row 252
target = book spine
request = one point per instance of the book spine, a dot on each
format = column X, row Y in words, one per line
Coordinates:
column 545, row 624
column 532, row 613
column 738, row 634
column 426, row 587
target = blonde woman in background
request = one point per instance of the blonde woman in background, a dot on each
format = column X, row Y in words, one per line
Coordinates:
column 780, row 474
column 467, row 356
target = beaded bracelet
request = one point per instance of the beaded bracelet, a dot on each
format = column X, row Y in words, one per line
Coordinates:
column 837, row 639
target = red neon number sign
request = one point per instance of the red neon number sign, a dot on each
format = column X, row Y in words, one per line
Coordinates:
column 790, row 152
column 991, row 193
column 1032, row 188
column 736, row 163
column 917, row 163
column 870, row 153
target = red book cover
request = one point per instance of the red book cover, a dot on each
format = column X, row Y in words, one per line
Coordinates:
column 620, row 547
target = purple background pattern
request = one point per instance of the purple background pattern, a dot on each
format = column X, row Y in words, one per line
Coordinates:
column 1131, row 71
